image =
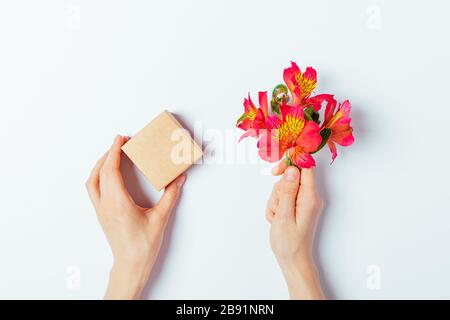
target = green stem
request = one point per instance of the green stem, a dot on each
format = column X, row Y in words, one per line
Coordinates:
column 289, row 161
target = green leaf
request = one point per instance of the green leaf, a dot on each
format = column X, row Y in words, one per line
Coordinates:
column 325, row 133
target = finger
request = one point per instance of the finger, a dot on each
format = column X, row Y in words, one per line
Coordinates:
column 111, row 181
column 308, row 181
column 112, row 162
column 92, row 183
column 170, row 196
column 288, row 188
column 308, row 196
column 279, row 169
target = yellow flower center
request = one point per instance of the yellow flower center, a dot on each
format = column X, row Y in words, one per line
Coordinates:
column 289, row 131
column 251, row 114
column 307, row 85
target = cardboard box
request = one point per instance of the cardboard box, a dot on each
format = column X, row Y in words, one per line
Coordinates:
column 162, row 150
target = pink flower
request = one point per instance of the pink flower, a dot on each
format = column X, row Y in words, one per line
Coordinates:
column 300, row 84
column 292, row 130
column 253, row 119
column 339, row 123
column 292, row 135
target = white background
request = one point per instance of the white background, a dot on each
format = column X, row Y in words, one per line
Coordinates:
column 75, row 73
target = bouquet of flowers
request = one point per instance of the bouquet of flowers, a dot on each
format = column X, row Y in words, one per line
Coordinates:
column 294, row 129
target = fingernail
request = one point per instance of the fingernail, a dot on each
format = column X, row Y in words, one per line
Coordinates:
column 291, row 174
column 181, row 180
column 274, row 170
column 117, row 138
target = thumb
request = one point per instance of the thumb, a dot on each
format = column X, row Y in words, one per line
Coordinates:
column 170, row 196
column 280, row 168
column 288, row 189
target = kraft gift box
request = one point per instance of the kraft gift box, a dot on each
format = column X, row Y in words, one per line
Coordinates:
column 162, row 150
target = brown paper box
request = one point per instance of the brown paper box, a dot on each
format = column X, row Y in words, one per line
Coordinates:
column 162, row 150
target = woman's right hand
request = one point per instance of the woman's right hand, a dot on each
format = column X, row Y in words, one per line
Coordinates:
column 293, row 211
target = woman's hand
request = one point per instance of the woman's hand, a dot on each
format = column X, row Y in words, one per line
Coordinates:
column 134, row 233
column 293, row 211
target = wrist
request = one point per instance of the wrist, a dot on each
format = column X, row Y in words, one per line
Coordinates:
column 302, row 278
column 299, row 263
column 127, row 280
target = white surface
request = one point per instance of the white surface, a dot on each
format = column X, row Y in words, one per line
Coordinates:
column 74, row 73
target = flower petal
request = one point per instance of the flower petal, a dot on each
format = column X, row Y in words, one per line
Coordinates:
column 249, row 133
column 310, row 74
column 310, row 138
column 300, row 158
column 329, row 111
column 245, row 125
column 308, row 81
column 273, row 122
column 346, row 107
column 260, row 120
column 289, row 75
column 263, row 103
column 269, row 148
column 333, row 150
column 248, row 104
column 295, row 111
column 343, row 137
column 316, row 101
column 296, row 96
column 339, row 123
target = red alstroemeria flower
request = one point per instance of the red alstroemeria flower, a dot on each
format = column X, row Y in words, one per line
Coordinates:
column 253, row 119
column 292, row 134
column 300, row 84
column 339, row 123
